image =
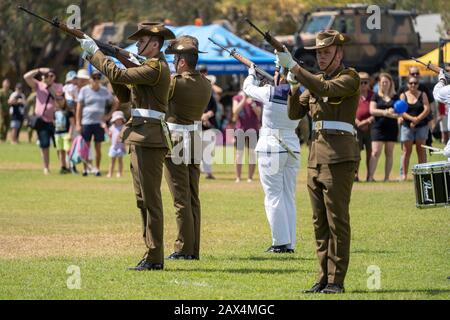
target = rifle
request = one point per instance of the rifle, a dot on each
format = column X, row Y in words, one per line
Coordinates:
column 277, row 45
column 108, row 49
column 244, row 61
column 433, row 67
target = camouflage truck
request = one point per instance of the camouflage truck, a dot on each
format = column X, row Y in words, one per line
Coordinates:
column 370, row 50
column 116, row 33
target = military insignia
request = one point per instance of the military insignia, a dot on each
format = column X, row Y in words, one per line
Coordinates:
column 155, row 30
column 341, row 37
column 180, row 47
column 321, row 43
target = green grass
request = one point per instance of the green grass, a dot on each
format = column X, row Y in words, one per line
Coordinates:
column 48, row 223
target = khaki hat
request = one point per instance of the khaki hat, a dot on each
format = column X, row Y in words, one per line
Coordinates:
column 152, row 29
column 183, row 44
column 83, row 74
column 329, row 38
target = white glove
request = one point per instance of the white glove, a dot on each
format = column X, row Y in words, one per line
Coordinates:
column 292, row 79
column 442, row 76
column 88, row 45
column 133, row 59
column 252, row 71
column 285, row 59
column 447, row 150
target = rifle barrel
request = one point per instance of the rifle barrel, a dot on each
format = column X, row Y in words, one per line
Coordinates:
column 35, row 15
column 254, row 26
column 227, row 50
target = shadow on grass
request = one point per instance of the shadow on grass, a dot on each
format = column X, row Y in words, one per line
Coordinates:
column 271, row 258
column 243, row 270
column 427, row 291
column 357, row 251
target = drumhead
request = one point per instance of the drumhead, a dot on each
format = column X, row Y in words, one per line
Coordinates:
column 430, row 167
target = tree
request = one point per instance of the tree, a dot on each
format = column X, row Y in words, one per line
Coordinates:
column 27, row 42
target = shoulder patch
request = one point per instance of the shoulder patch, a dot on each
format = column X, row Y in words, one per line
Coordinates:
column 154, row 63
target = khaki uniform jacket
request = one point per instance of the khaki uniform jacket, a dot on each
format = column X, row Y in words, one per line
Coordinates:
column 333, row 99
column 146, row 87
column 189, row 96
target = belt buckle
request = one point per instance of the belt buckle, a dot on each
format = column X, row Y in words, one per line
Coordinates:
column 319, row 125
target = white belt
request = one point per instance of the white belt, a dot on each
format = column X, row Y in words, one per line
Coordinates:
column 183, row 128
column 148, row 113
column 280, row 132
column 333, row 125
column 186, row 131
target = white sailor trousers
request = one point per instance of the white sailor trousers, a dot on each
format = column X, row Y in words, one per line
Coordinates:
column 278, row 174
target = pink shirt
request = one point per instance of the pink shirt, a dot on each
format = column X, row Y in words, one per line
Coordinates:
column 247, row 118
column 41, row 98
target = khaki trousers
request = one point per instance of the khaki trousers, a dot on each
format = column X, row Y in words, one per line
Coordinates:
column 330, row 187
column 183, row 181
column 146, row 168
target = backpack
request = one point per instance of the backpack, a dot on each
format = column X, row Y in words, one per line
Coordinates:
column 79, row 151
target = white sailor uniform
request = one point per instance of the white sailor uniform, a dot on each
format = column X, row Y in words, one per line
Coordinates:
column 278, row 152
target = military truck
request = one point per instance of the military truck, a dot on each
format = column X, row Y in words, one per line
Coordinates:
column 116, row 33
column 369, row 50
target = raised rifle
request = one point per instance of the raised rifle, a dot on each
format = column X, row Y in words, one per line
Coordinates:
column 277, row 45
column 108, row 49
column 245, row 61
column 433, row 67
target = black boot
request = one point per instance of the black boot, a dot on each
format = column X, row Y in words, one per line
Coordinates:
column 316, row 288
column 333, row 288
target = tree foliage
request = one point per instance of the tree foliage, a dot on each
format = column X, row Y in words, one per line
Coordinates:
column 27, row 43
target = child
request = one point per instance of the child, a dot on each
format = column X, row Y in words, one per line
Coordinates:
column 17, row 103
column 117, row 149
column 64, row 126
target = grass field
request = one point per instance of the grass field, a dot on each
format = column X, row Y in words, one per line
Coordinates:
column 48, row 223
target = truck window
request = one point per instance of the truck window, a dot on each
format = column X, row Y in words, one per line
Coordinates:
column 401, row 25
column 316, row 24
column 346, row 23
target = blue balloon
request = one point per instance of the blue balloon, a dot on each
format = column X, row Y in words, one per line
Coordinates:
column 400, row 106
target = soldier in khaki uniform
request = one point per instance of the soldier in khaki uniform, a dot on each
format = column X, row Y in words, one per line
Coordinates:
column 332, row 99
column 147, row 87
column 189, row 95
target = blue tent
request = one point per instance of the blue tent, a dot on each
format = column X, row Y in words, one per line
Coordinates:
column 217, row 60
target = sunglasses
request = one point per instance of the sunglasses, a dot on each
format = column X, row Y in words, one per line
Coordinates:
column 415, row 74
column 96, row 77
column 364, row 82
column 413, row 83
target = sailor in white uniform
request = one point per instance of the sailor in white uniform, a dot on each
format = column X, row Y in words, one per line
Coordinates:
column 441, row 94
column 278, row 152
